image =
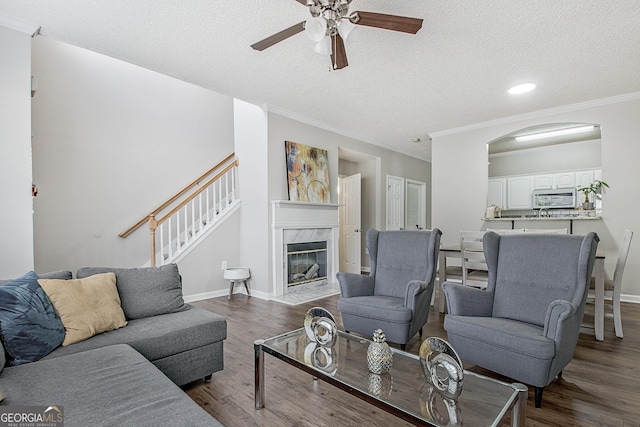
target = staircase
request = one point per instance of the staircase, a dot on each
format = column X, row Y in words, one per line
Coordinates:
column 180, row 223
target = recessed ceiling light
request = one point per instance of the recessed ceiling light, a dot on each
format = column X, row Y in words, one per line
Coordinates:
column 416, row 139
column 522, row 88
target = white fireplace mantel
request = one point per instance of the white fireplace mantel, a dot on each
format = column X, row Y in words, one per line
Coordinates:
column 291, row 222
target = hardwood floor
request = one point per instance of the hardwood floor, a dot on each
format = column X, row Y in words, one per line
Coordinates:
column 598, row 388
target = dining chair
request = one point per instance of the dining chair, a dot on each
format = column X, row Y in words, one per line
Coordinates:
column 612, row 286
column 474, row 265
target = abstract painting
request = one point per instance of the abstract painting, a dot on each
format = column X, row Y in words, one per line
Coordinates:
column 307, row 173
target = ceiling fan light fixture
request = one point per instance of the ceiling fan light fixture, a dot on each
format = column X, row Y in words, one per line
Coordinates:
column 344, row 28
column 323, row 47
column 316, row 28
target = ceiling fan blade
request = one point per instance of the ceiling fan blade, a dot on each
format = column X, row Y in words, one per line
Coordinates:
column 302, row 2
column 338, row 53
column 278, row 37
column 389, row 22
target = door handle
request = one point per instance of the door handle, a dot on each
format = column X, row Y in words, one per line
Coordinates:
column 357, row 230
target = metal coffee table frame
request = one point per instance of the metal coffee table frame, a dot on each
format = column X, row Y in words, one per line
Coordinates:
column 500, row 398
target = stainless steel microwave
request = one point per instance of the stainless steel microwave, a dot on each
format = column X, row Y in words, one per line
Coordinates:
column 564, row 198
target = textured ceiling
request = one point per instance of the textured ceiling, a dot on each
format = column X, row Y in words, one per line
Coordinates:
column 455, row 71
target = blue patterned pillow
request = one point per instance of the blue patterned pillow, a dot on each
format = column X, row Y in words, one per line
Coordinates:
column 30, row 328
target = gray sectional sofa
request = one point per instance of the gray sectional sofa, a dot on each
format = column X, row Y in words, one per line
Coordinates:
column 130, row 375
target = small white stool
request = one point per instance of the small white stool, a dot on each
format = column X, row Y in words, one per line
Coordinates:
column 237, row 274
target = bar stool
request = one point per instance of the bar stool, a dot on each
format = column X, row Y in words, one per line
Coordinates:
column 235, row 275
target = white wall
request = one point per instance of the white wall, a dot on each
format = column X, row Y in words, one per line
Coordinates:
column 460, row 176
column 251, row 130
column 16, row 219
column 111, row 142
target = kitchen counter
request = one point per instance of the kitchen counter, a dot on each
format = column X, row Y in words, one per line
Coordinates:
column 543, row 218
column 569, row 218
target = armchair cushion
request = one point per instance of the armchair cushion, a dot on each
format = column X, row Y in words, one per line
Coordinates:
column 381, row 308
column 504, row 334
column 547, row 270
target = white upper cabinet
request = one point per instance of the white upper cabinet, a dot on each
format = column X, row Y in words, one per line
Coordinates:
column 564, row 180
column 497, row 194
column 519, row 191
column 549, row 181
column 584, row 178
column 543, row 182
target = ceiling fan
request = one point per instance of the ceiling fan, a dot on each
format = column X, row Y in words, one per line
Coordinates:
column 331, row 23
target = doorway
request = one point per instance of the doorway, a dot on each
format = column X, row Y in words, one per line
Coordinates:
column 353, row 252
column 406, row 204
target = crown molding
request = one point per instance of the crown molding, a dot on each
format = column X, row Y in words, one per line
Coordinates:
column 20, row 25
column 324, row 126
column 538, row 114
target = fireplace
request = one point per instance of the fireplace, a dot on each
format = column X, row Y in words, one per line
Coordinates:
column 304, row 234
column 306, row 262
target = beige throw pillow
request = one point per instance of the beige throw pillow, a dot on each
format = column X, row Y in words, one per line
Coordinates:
column 87, row 306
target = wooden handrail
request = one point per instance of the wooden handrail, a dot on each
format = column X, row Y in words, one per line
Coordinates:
column 145, row 219
column 200, row 190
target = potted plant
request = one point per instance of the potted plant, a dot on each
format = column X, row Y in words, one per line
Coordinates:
column 596, row 189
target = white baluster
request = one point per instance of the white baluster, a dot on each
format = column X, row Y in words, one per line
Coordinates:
column 218, row 210
column 200, row 218
column 161, row 245
column 170, row 238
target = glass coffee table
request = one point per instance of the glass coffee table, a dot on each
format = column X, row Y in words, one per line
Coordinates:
column 404, row 392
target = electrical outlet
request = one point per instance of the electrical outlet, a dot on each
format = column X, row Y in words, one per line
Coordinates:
column 224, row 264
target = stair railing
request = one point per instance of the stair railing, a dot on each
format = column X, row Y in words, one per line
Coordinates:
column 173, row 232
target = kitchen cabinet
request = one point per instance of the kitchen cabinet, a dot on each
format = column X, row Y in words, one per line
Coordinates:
column 497, row 192
column 519, row 191
column 584, row 178
column 564, row 180
column 543, row 182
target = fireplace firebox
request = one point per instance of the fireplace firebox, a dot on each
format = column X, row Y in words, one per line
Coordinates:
column 306, row 262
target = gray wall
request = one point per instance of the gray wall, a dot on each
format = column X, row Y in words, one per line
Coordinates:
column 460, row 171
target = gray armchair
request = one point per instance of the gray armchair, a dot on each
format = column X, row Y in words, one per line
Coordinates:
column 396, row 295
column 525, row 325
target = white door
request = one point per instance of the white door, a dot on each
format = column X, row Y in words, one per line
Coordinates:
column 416, row 208
column 351, row 229
column 395, row 203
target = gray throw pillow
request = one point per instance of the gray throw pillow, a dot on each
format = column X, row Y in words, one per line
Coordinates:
column 145, row 292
